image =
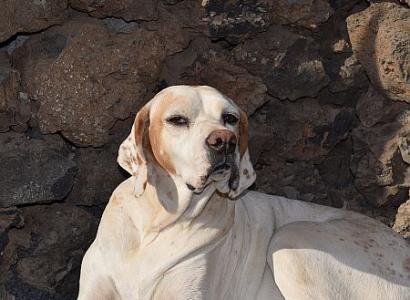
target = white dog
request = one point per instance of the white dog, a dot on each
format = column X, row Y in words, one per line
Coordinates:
column 171, row 231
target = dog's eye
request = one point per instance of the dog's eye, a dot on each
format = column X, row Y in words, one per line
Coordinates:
column 231, row 119
column 178, row 120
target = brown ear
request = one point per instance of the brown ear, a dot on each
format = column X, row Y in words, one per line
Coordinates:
column 131, row 155
column 243, row 133
column 247, row 174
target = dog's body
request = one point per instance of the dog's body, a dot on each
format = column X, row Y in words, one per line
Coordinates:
column 171, row 233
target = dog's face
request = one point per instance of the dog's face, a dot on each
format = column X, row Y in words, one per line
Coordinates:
column 195, row 133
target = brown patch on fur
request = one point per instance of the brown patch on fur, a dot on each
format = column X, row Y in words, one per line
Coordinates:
column 243, row 133
column 140, row 130
column 245, row 172
column 155, row 130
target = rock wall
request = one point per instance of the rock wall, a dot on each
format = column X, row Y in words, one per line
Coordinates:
column 326, row 86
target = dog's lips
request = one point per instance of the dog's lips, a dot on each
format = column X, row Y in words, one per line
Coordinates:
column 221, row 168
column 217, row 172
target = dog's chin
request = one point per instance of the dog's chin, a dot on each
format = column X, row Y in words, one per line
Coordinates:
column 225, row 178
column 219, row 175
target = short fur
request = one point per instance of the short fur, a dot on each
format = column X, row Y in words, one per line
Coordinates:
column 172, row 231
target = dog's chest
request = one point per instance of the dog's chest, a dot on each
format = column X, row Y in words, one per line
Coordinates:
column 233, row 268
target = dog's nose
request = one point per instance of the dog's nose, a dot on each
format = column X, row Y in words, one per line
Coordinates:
column 222, row 141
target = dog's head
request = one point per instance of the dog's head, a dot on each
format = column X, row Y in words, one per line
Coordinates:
column 194, row 133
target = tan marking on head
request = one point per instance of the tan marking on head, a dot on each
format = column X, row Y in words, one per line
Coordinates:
column 243, row 133
column 155, row 130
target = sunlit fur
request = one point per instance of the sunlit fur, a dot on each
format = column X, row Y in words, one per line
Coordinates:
column 159, row 239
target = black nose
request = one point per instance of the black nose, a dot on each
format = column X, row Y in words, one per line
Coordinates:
column 222, row 141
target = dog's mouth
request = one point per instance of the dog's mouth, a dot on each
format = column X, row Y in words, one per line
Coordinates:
column 225, row 170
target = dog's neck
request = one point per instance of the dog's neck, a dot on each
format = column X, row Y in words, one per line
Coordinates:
column 168, row 202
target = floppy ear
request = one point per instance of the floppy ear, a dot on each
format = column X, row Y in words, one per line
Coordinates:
column 131, row 154
column 247, row 174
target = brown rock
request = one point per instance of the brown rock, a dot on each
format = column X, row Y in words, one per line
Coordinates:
column 306, row 13
column 129, row 10
column 98, row 175
column 63, row 233
column 288, row 63
column 178, row 24
column 349, row 75
column 10, row 217
column 373, row 107
column 304, row 130
column 214, row 67
column 287, row 142
column 83, row 77
column 15, row 108
column 34, row 170
column 237, row 20
column 29, row 16
column 378, row 163
column 402, row 222
column 380, row 37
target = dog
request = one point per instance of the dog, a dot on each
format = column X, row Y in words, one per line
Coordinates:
column 184, row 226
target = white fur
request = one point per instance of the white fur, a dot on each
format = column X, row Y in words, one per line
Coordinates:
column 172, row 243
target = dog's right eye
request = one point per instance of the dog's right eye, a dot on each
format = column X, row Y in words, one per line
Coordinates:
column 178, row 120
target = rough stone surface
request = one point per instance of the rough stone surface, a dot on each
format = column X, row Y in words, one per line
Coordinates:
column 306, row 13
column 98, row 175
column 59, row 235
column 380, row 37
column 15, row 109
column 288, row 63
column 88, row 77
column 200, row 64
column 34, row 170
column 381, row 174
column 129, row 10
column 29, row 16
column 286, row 154
column 402, row 222
column 237, row 20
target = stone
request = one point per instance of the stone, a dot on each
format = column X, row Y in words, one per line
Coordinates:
column 288, row 63
column 371, row 107
column 296, row 146
column 178, row 24
column 380, row 37
column 129, row 10
column 15, row 110
column 374, row 107
column 305, row 130
column 35, row 170
column 84, row 77
column 60, row 233
column 306, row 13
column 98, row 175
column 379, row 161
column 349, row 75
column 402, row 221
column 215, row 67
column 10, row 218
column 238, row 20
column 29, row 16
column 341, row 46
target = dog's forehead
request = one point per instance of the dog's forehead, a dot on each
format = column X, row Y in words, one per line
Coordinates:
column 199, row 99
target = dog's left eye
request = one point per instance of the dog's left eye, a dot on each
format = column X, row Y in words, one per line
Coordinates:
column 178, row 120
column 231, row 119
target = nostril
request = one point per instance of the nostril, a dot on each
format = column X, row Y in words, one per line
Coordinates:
column 218, row 142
